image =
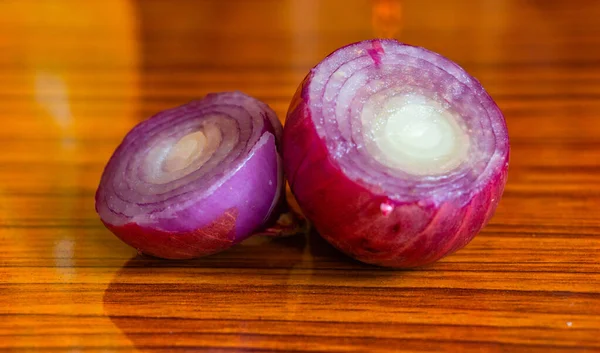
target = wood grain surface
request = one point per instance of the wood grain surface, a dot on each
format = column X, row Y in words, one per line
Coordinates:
column 76, row 75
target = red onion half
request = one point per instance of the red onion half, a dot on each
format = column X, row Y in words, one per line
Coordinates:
column 395, row 153
column 196, row 179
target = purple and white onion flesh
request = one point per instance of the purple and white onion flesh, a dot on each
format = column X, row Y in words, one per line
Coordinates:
column 396, row 154
column 196, row 179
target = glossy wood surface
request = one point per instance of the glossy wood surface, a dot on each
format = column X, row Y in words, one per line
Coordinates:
column 76, row 75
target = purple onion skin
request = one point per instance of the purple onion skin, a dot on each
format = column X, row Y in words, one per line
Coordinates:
column 360, row 219
column 244, row 203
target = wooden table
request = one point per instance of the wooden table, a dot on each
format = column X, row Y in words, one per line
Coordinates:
column 76, row 75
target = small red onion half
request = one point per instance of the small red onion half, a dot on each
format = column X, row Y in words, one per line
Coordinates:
column 395, row 153
column 196, row 179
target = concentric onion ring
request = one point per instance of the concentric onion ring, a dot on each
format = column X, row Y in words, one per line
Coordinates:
column 396, row 154
column 196, row 179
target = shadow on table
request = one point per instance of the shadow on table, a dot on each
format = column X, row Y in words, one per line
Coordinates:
column 231, row 300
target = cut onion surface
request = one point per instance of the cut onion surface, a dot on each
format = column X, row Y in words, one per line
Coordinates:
column 396, row 154
column 196, row 179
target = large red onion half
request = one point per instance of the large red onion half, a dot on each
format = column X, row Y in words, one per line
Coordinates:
column 395, row 153
column 196, row 179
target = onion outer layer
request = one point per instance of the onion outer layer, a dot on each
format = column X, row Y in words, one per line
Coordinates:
column 374, row 212
column 228, row 178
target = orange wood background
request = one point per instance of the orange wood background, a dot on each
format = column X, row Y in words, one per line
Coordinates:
column 76, row 75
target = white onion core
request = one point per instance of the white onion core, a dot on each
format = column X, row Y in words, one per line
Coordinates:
column 185, row 151
column 414, row 134
column 175, row 158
